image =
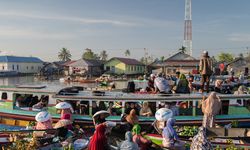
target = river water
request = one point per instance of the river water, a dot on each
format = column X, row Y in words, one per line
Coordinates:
column 21, row 80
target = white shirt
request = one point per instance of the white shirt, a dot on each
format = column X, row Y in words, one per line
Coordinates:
column 161, row 84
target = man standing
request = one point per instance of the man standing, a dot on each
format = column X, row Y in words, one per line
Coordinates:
column 206, row 70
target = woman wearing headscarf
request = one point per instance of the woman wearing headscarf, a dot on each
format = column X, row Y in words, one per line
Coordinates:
column 99, row 140
column 241, row 90
column 170, row 137
column 132, row 119
column 128, row 144
column 210, row 107
column 142, row 142
column 145, row 110
column 200, row 141
column 43, row 125
column 182, row 85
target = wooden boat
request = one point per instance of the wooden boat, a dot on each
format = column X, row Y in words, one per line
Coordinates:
column 82, row 102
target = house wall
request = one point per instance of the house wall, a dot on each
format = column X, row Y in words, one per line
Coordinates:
column 121, row 68
column 21, row 67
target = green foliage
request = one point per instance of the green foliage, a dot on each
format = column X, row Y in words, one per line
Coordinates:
column 235, row 123
column 127, row 52
column 64, row 54
column 188, row 131
column 225, row 57
column 89, row 54
column 103, row 55
column 183, row 49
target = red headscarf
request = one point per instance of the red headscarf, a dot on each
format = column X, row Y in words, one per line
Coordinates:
column 99, row 139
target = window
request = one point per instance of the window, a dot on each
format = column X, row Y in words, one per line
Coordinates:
column 17, row 67
column 3, row 67
column 27, row 67
column 108, row 68
column 4, row 96
column 13, row 67
column 32, row 67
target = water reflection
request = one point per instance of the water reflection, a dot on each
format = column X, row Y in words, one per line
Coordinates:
column 12, row 81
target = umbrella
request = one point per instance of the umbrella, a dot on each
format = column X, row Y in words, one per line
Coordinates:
column 63, row 105
column 163, row 114
column 62, row 123
column 42, row 116
column 101, row 112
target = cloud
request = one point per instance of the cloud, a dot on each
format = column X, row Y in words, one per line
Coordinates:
column 12, row 32
column 68, row 18
column 239, row 37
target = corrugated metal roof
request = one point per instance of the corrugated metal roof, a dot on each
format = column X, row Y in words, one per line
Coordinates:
column 86, row 62
column 20, row 59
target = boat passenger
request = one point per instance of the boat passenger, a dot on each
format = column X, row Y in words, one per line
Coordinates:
column 182, row 85
column 145, row 110
column 200, row 141
column 100, row 119
column 99, row 140
column 102, row 105
column 210, row 107
column 95, row 108
column 63, row 132
column 170, row 137
column 218, row 86
column 67, row 111
column 190, row 81
column 151, row 87
column 40, row 105
column 158, row 126
column 241, row 78
column 128, row 144
column 206, row 70
column 174, row 109
column 161, row 85
column 132, row 119
column 110, row 109
column 34, row 101
column 44, row 122
column 241, row 90
column 132, row 106
column 142, row 142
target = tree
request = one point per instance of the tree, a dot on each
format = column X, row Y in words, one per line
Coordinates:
column 183, row 49
column 127, row 52
column 225, row 57
column 88, row 54
column 241, row 55
column 103, row 55
column 64, row 54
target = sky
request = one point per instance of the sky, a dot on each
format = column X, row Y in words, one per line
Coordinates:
column 42, row 28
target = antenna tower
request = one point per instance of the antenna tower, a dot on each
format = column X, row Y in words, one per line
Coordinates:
column 187, row 43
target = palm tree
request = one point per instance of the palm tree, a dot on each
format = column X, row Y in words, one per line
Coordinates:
column 103, row 55
column 183, row 49
column 127, row 52
column 64, row 54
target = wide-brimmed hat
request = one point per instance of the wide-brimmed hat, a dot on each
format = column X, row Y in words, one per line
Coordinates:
column 43, row 116
column 104, row 112
column 62, row 123
column 63, row 105
column 163, row 114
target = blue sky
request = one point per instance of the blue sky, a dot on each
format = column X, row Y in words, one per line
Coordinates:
column 42, row 28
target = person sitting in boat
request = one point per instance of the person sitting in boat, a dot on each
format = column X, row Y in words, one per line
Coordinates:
column 99, row 140
column 182, row 85
column 145, row 110
column 67, row 111
column 41, row 105
column 161, row 85
column 132, row 119
column 151, row 87
column 170, row 137
column 174, row 109
column 100, row 119
column 142, row 142
column 210, row 107
column 241, row 78
column 128, row 144
column 95, row 108
column 111, row 109
column 34, row 101
column 190, row 81
column 44, row 122
column 20, row 101
column 102, row 105
column 241, row 91
column 232, row 78
column 63, row 132
column 132, row 106
column 158, row 126
column 218, row 86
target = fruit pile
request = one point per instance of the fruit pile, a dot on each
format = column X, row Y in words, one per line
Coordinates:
column 187, row 130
